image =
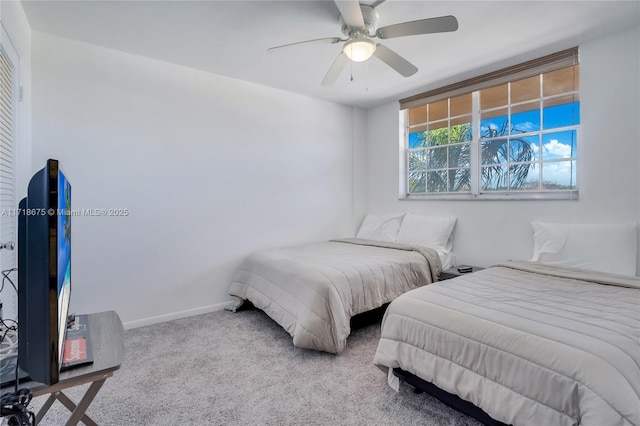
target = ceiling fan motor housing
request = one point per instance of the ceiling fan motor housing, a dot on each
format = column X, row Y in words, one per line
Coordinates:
column 370, row 17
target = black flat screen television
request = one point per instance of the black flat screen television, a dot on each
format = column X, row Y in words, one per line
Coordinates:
column 44, row 273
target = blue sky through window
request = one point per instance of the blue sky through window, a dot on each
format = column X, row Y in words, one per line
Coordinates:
column 546, row 146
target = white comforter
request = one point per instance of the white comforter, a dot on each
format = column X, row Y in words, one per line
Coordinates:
column 313, row 290
column 527, row 343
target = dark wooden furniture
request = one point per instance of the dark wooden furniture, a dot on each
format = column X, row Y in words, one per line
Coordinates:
column 453, row 272
column 107, row 340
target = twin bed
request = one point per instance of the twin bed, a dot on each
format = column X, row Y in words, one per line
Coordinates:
column 526, row 342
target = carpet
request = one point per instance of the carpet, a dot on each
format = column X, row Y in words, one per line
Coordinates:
column 228, row 368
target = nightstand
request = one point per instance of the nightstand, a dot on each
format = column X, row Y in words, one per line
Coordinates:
column 453, row 272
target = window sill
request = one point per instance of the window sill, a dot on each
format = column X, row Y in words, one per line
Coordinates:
column 497, row 196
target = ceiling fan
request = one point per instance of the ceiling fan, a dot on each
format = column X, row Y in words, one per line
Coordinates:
column 360, row 25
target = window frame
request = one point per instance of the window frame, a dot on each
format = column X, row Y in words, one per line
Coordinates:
column 473, row 86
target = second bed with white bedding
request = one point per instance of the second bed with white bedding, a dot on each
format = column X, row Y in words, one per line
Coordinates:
column 527, row 343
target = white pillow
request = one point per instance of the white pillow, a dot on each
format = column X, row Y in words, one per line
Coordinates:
column 380, row 227
column 608, row 248
column 426, row 231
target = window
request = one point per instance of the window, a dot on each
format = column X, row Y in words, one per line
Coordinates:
column 511, row 133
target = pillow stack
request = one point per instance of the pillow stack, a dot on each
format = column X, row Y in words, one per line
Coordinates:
column 413, row 230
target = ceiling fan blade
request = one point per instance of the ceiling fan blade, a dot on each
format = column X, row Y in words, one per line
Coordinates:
column 335, row 70
column 395, row 61
column 327, row 40
column 442, row 24
column 351, row 13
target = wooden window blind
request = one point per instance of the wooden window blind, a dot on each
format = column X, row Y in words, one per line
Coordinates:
column 555, row 61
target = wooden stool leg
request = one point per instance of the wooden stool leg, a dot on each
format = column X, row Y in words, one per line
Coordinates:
column 79, row 411
column 43, row 410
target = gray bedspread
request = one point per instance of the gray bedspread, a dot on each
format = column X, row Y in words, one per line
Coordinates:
column 313, row 290
column 529, row 344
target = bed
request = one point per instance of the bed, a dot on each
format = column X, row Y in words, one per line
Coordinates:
column 526, row 342
column 313, row 290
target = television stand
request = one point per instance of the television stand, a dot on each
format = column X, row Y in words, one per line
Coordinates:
column 107, row 339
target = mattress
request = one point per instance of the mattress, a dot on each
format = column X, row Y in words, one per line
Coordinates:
column 313, row 290
column 529, row 344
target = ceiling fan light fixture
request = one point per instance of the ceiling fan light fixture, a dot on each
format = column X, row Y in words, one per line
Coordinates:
column 359, row 49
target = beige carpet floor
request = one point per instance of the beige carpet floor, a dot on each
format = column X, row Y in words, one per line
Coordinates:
column 241, row 368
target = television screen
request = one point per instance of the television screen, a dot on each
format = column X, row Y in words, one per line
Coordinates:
column 63, row 230
column 44, row 273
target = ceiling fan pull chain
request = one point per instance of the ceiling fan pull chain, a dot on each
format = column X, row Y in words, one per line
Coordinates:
column 351, row 70
column 366, row 77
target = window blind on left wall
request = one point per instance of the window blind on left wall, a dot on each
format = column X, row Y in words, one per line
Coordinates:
column 8, row 220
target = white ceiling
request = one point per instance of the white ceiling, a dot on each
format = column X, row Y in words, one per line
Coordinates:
column 230, row 38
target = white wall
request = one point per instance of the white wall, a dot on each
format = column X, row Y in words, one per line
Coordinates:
column 15, row 35
column 488, row 232
column 210, row 169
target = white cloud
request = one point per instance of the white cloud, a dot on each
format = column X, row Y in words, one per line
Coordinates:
column 527, row 126
column 534, row 148
column 562, row 172
column 557, row 149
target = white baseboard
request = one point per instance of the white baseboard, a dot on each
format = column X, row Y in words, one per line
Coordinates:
column 175, row 315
